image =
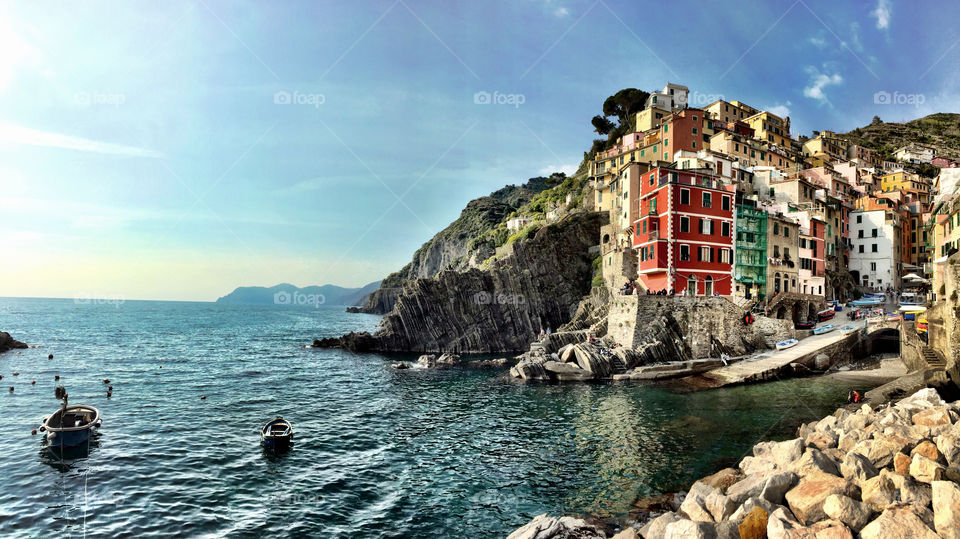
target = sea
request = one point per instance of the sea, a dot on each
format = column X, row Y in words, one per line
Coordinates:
column 378, row 452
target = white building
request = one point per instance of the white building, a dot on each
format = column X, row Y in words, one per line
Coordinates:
column 875, row 248
column 947, row 183
column 673, row 96
column 517, row 223
column 915, row 154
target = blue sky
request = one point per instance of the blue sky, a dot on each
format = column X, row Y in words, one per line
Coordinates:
column 145, row 151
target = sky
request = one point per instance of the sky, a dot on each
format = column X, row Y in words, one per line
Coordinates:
column 176, row 150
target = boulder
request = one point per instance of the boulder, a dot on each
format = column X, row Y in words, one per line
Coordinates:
column 827, row 529
column 626, row 533
column 781, row 523
column 884, row 447
column 853, row 513
column 756, row 465
column 822, row 440
column 749, row 505
column 901, row 464
column 858, row 468
column 723, row 479
column 812, row 461
column 878, row 492
column 448, row 360
column 806, row 499
column 850, row 439
column 929, row 450
column 719, row 505
column 545, row 527
column 754, row 525
column 726, row 530
column 567, row 372
column 694, row 505
column 688, row 529
column 949, row 446
column 897, row 522
column 855, row 422
column 781, row 453
column 915, row 493
column 657, row 527
column 776, row 486
column 9, row 343
column 770, row 486
column 933, row 417
column 946, row 509
column 926, row 470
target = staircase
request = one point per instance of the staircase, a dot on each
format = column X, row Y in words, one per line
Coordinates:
column 932, row 358
column 616, row 364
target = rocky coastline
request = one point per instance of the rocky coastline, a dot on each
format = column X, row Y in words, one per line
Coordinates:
column 868, row 472
column 9, row 343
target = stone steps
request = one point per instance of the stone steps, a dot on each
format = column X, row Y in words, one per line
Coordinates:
column 932, row 358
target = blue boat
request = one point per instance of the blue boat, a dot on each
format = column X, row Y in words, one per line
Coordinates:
column 848, row 329
column 866, row 302
column 70, row 426
column 277, row 434
column 787, row 343
column 823, row 329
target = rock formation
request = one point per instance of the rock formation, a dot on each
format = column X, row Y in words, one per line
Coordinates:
column 536, row 284
column 837, row 479
column 8, row 343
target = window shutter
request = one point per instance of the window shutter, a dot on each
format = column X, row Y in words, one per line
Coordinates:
column 713, row 225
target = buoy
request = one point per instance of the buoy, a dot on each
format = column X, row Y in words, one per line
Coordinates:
column 109, row 394
column 1, row 377
column 106, row 380
column 11, row 389
column 33, row 432
column 110, row 388
column 50, row 356
column 57, row 377
column 33, row 382
column 202, row 397
column 15, row 373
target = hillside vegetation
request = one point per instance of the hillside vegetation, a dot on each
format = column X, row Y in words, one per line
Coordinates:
column 940, row 131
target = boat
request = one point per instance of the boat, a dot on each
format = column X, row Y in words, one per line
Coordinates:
column 911, row 299
column 838, row 308
column 809, row 324
column 910, row 313
column 277, row 434
column 823, row 329
column 866, row 302
column 893, row 318
column 826, row 314
column 70, row 426
column 848, row 329
column 874, row 320
column 783, row 345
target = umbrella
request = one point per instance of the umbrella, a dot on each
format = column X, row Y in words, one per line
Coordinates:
column 912, row 276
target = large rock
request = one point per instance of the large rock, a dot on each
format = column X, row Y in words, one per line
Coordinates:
column 754, row 525
column 781, row 453
column 926, row 470
column 897, row 522
column 823, row 440
column 885, row 446
column 546, row 527
column 878, row 492
column 812, row 461
column 748, row 506
column 694, row 506
column 781, row 524
column 626, row 533
column 723, row 479
column 853, row 513
column 9, row 343
column 757, row 465
column 806, row 499
column 567, row 372
column 858, row 468
column 688, row 529
column 933, row 417
column 657, row 528
column 949, row 446
column 719, row 505
column 771, row 487
column 946, row 509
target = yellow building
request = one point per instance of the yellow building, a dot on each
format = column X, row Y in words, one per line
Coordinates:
column 770, row 128
column 826, row 145
column 651, row 118
column 749, row 152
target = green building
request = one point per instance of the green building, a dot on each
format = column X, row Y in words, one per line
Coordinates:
column 750, row 262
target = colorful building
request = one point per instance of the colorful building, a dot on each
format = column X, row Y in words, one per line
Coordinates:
column 750, row 247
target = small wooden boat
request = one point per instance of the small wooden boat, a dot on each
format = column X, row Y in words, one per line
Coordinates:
column 277, row 434
column 809, row 324
column 826, row 314
column 893, row 318
column 823, row 329
column 783, row 345
column 872, row 321
column 848, row 329
column 70, row 426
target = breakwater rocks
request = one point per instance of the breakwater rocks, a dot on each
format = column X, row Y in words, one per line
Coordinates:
column 9, row 343
column 538, row 283
column 871, row 473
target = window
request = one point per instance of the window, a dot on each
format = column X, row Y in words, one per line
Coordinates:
column 776, row 251
column 685, row 253
column 684, row 224
column 861, row 249
column 776, row 228
column 644, row 226
column 693, row 144
column 725, row 229
column 706, row 254
column 786, row 232
column 685, row 196
column 725, row 203
column 873, row 248
column 874, row 232
column 653, row 205
column 706, row 200
column 786, row 252
column 694, row 130
column 873, row 266
column 726, row 256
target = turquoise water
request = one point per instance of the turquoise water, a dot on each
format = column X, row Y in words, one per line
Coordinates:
column 379, row 452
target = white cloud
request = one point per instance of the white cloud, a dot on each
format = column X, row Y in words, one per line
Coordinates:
column 15, row 134
column 818, row 41
column 567, row 169
column 882, row 14
column 855, row 37
column 561, row 12
column 819, row 81
column 781, row 110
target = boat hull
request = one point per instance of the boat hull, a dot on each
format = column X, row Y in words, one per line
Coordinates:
column 58, row 435
column 790, row 343
column 277, row 439
column 823, row 329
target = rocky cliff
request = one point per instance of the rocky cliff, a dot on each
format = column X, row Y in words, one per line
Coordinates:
column 451, row 248
column 537, row 283
column 8, row 343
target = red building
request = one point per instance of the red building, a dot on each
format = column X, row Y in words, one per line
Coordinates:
column 685, row 131
column 943, row 162
column 684, row 232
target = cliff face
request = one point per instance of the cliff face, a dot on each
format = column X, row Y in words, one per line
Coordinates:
column 500, row 309
column 450, row 248
column 8, row 343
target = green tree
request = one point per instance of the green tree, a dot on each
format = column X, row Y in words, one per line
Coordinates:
column 602, row 125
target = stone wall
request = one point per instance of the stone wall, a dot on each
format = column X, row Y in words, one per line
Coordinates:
column 944, row 327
